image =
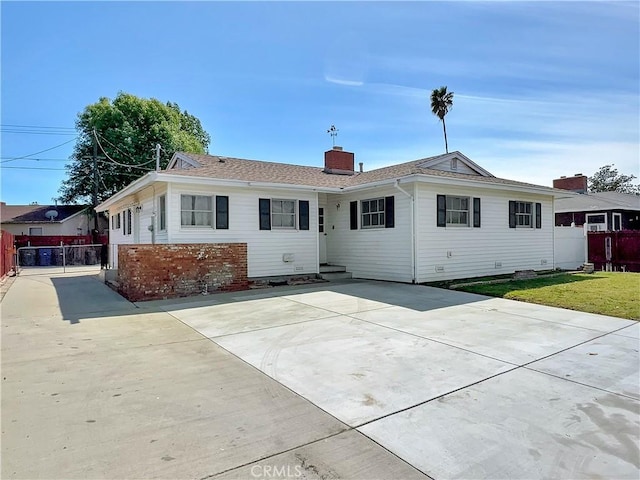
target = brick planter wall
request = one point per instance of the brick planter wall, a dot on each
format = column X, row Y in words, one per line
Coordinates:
column 151, row 272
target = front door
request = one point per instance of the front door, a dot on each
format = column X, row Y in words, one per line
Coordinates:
column 322, row 236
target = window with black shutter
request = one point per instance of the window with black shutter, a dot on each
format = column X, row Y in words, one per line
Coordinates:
column 303, row 206
column 222, row 212
column 353, row 215
column 265, row 213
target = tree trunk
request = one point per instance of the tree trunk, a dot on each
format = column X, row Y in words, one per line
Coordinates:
column 444, row 127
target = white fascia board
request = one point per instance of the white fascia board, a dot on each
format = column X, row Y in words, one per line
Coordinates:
column 167, row 177
column 130, row 189
column 173, row 161
column 463, row 158
column 184, row 157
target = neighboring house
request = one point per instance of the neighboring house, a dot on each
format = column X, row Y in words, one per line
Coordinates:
column 431, row 219
column 601, row 211
column 45, row 220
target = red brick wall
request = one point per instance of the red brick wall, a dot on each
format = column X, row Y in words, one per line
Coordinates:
column 151, row 272
column 338, row 160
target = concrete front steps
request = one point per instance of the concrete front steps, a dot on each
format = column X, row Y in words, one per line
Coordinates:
column 334, row 272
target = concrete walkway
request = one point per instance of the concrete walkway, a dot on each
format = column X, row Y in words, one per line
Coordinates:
column 354, row 380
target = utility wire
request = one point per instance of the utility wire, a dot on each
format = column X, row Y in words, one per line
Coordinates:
column 123, row 153
column 114, row 161
column 35, row 168
column 102, row 181
column 37, row 153
column 13, row 125
column 35, row 132
column 38, row 159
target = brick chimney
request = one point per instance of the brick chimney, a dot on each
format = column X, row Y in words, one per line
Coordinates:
column 577, row 183
column 338, row 161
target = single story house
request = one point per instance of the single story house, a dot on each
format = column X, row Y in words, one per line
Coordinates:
column 600, row 211
column 436, row 218
column 45, row 220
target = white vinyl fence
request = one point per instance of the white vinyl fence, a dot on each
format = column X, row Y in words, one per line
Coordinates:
column 570, row 246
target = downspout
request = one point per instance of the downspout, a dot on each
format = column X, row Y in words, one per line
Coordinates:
column 553, row 230
column 413, row 230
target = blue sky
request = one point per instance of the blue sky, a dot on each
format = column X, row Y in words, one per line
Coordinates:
column 542, row 89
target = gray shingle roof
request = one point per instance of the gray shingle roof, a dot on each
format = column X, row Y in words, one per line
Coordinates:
column 590, row 202
column 226, row 168
column 37, row 214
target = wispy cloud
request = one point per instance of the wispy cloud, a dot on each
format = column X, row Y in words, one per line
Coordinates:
column 343, row 81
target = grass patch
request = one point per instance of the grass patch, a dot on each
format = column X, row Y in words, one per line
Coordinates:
column 607, row 293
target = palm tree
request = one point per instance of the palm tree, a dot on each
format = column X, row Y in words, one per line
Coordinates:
column 441, row 103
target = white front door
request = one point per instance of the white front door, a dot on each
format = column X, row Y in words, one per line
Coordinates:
column 322, row 236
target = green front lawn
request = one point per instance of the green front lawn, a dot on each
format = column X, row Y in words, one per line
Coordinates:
column 615, row 294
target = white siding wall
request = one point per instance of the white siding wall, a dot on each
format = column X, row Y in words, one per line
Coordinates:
column 265, row 248
column 146, row 205
column 570, row 247
column 470, row 252
column 374, row 253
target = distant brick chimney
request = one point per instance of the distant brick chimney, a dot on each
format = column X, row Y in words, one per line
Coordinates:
column 338, row 161
column 577, row 183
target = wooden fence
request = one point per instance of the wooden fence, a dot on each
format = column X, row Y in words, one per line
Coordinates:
column 615, row 251
column 54, row 240
column 7, row 252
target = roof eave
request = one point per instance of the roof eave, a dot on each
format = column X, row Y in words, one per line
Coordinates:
column 236, row 183
column 466, row 182
column 130, row 189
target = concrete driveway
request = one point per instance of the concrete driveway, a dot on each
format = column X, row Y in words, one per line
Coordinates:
column 353, row 380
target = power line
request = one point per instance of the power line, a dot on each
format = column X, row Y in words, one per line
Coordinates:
column 2, row 125
column 35, row 168
column 37, row 153
column 114, row 161
column 37, row 159
column 35, row 132
column 123, row 153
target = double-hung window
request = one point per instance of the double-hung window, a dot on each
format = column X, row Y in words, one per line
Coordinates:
column 372, row 215
column 525, row 214
column 283, row 213
column 196, row 210
column 457, row 211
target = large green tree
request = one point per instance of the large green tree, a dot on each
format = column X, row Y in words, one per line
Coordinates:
column 607, row 179
column 126, row 131
column 441, row 103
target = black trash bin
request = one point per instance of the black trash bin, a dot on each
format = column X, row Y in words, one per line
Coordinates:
column 27, row 257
